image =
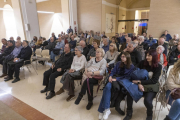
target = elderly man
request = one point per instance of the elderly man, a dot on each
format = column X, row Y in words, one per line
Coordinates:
column 135, row 55
column 57, row 69
column 106, row 44
column 70, row 30
column 51, row 44
column 161, row 41
column 52, row 35
column 168, row 36
column 85, row 49
column 124, row 45
column 143, row 43
column 10, row 57
column 151, row 41
column 14, row 66
column 59, row 48
column 4, row 42
column 12, row 39
column 18, row 39
column 174, row 41
column 72, row 43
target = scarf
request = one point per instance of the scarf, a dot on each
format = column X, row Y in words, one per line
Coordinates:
column 161, row 59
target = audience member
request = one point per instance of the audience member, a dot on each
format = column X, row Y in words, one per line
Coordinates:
column 76, row 37
column 4, row 42
column 44, row 43
column 142, row 43
column 89, row 40
column 57, row 69
column 70, row 30
column 72, row 43
column 92, row 52
column 32, row 44
column 52, row 35
column 161, row 57
column 82, row 37
column 124, row 45
column 136, row 42
column 174, row 56
column 85, row 49
column 106, row 44
column 103, row 33
column 174, row 41
column 168, row 36
column 151, row 41
column 114, row 40
column 39, row 42
column 96, row 66
column 64, row 39
column 98, row 37
column 18, row 39
column 12, row 39
column 134, row 37
column 14, row 66
column 51, row 45
column 145, row 36
column 75, row 73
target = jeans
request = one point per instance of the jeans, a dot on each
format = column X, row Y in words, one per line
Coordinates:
column 174, row 113
column 54, row 55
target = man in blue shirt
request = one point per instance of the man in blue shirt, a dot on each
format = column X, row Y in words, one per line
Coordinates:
column 10, row 57
column 69, row 30
column 168, row 36
column 72, row 43
column 106, row 44
column 151, row 41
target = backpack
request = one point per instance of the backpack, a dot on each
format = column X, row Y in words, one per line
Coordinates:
column 141, row 50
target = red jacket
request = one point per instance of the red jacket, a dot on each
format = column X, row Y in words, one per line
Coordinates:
column 165, row 60
column 66, row 41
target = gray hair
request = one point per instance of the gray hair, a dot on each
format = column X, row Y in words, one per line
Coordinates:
column 107, row 40
column 133, row 43
column 177, row 35
column 142, row 37
column 80, row 48
column 161, row 47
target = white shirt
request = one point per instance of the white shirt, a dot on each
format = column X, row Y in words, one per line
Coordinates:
column 78, row 63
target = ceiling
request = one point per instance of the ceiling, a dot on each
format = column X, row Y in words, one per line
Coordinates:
column 40, row 1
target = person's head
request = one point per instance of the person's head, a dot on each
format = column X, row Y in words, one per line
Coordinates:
column 105, row 41
column 52, row 39
column 69, row 27
column 11, row 38
column 67, row 48
column 98, row 33
column 40, row 38
column 96, row 43
column 82, row 35
column 18, row 38
column 144, row 34
column 151, row 57
column 10, row 43
column 113, row 39
column 18, row 43
column 141, row 39
column 103, row 32
column 160, row 49
column 4, row 41
column 165, row 32
column 100, row 53
column 72, row 37
column 25, row 43
column 161, row 41
column 104, row 36
column 136, row 42
column 125, row 60
column 75, row 35
column 117, row 35
column 82, row 43
column 53, row 34
column 131, row 46
column 89, row 33
column 120, row 34
column 134, row 34
column 176, row 36
column 178, row 47
column 35, row 38
column 66, row 36
column 112, row 47
column 176, row 68
column 128, row 39
column 78, row 50
column 44, row 39
column 59, row 39
column 62, row 37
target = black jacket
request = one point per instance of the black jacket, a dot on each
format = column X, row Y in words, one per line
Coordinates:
column 25, row 53
column 154, row 46
column 65, row 61
column 7, row 51
column 174, row 56
column 85, row 51
column 145, row 46
column 51, row 46
column 135, row 57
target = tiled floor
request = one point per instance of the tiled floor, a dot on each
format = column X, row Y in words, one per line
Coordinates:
column 28, row 91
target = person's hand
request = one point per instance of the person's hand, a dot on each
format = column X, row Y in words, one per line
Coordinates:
column 71, row 71
column 136, row 81
column 90, row 57
column 15, row 59
column 141, row 88
column 110, row 79
column 52, row 66
column 163, row 66
column 89, row 74
column 125, row 50
column 113, row 79
column 59, row 69
column 107, row 65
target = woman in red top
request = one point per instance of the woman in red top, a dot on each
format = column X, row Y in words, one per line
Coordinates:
column 161, row 57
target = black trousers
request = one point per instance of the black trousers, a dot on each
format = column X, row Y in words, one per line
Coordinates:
column 14, row 67
column 84, row 88
column 5, row 65
column 148, row 99
column 49, row 78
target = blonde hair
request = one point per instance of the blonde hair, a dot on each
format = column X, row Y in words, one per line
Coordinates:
column 176, row 68
column 114, row 46
column 102, row 51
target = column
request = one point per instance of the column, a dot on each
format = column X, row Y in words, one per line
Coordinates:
column 73, row 15
column 65, row 14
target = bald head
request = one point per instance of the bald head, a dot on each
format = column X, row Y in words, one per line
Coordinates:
column 161, row 41
column 82, row 43
column 128, row 39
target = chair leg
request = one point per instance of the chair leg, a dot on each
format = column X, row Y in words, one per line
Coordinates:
column 34, row 69
column 28, row 69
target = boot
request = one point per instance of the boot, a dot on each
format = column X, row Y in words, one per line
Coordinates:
column 128, row 115
column 89, row 105
column 78, row 99
column 117, row 104
column 167, row 118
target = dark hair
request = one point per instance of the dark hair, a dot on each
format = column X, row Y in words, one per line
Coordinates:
column 104, row 36
column 154, row 55
column 70, row 46
column 26, row 41
column 128, row 60
column 35, row 38
column 97, row 41
column 4, row 39
column 114, row 38
column 10, row 41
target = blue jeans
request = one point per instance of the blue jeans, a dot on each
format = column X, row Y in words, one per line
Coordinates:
column 106, row 98
column 174, row 113
column 54, row 55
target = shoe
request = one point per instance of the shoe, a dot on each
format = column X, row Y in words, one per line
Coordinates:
column 51, row 95
column 15, row 80
column 89, row 105
column 44, row 90
column 128, row 115
column 149, row 118
column 78, row 99
column 167, row 118
column 101, row 116
column 3, row 75
column 8, row 78
column 60, row 91
column 107, row 112
column 70, row 98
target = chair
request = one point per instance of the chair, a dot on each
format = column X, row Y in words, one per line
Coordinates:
column 44, row 56
column 38, row 55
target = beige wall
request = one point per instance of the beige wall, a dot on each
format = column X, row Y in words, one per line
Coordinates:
column 89, row 14
column 164, row 15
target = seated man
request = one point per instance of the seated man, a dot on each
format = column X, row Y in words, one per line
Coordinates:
column 12, row 39
column 135, row 55
column 14, row 66
column 106, row 44
column 52, row 35
column 143, row 43
column 151, row 41
column 160, row 42
column 124, row 45
column 62, row 64
column 58, row 49
column 145, row 36
column 10, row 57
column 168, row 36
column 72, row 43
column 7, row 51
column 4, row 42
column 174, row 56
column 51, row 44
column 85, row 49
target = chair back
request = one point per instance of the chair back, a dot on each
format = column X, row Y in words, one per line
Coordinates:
column 38, row 52
column 45, row 54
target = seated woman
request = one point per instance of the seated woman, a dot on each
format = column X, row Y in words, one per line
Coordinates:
column 173, row 82
column 95, row 67
column 161, row 57
column 111, row 56
column 154, row 69
column 114, row 40
column 39, row 42
column 32, row 44
column 74, row 73
column 122, row 69
column 92, row 52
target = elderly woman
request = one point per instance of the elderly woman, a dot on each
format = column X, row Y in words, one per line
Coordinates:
column 142, row 43
column 174, row 41
column 111, row 56
column 92, row 52
column 173, row 82
column 74, row 73
column 161, row 56
column 94, row 72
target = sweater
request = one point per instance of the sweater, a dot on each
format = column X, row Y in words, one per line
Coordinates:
column 112, row 57
column 78, row 63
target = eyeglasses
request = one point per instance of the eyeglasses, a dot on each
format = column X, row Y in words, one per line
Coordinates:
column 111, row 45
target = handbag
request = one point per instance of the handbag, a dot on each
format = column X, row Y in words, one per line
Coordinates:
column 151, row 88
